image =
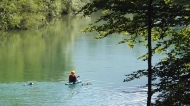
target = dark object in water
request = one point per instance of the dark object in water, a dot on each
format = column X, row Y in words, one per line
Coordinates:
column 88, row 83
column 31, row 83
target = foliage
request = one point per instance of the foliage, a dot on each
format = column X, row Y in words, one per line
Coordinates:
column 170, row 31
column 171, row 73
column 29, row 14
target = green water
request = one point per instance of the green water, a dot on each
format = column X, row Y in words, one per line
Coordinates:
column 46, row 57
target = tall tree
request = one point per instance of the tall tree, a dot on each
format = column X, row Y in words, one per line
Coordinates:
column 168, row 21
column 149, row 53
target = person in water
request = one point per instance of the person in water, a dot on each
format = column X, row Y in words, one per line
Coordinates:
column 72, row 77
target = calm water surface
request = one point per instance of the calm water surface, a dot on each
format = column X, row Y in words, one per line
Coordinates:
column 46, row 57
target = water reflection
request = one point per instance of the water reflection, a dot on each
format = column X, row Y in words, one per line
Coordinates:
column 46, row 57
column 37, row 54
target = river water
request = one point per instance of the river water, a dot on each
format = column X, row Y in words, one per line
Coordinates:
column 46, row 57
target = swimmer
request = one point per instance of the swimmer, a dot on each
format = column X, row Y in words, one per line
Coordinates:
column 88, row 83
column 31, row 83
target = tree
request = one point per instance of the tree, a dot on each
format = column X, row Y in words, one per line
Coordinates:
column 169, row 23
column 32, row 14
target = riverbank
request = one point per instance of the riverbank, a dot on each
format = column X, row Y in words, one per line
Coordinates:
column 32, row 14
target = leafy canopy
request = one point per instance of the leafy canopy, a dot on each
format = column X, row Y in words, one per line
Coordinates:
column 170, row 32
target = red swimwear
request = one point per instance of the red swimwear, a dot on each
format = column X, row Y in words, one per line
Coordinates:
column 72, row 78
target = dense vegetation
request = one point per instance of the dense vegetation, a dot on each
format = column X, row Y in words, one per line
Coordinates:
column 29, row 14
column 166, row 22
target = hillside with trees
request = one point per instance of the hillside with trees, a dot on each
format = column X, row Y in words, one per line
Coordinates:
column 33, row 14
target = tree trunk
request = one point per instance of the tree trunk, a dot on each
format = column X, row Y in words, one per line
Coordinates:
column 149, row 54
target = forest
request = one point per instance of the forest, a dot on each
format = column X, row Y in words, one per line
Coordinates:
column 34, row 14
